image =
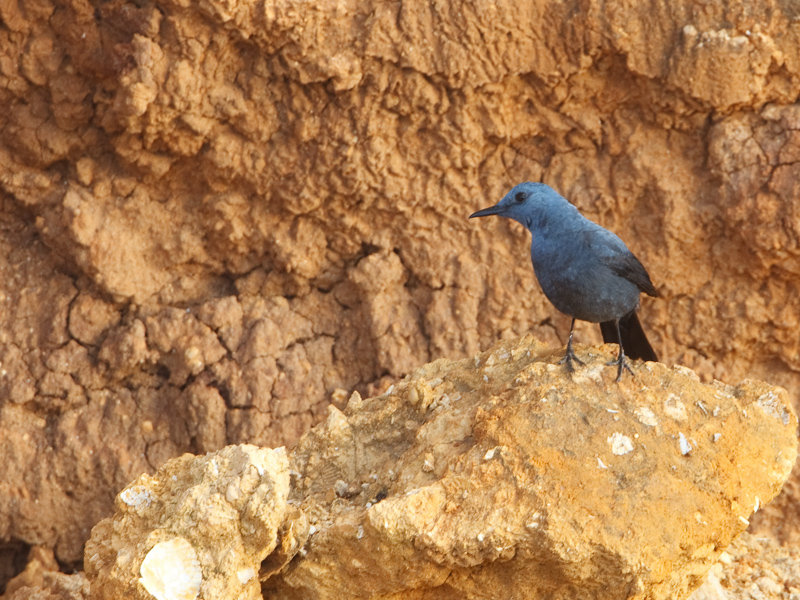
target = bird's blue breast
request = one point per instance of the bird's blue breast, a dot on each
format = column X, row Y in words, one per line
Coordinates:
column 575, row 279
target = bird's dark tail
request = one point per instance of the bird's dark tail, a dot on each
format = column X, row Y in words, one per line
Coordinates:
column 634, row 341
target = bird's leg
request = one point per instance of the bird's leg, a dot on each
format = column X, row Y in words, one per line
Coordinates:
column 570, row 355
column 621, row 362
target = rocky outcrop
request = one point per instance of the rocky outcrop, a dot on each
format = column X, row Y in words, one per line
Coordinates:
column 218, row 217
column 201, row 527
column 496, row 476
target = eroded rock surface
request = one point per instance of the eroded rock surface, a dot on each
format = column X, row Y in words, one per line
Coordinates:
column 753, row 567
column 42, row 580
column 217, row 217
column 200, row 527
column 497, row 476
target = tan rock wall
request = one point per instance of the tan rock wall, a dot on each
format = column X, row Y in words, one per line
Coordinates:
column 218, row 217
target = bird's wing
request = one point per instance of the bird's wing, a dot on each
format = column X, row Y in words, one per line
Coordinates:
column 629, row 267
column 614, row 254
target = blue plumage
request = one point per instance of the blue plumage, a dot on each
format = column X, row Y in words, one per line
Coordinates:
column 586, row 271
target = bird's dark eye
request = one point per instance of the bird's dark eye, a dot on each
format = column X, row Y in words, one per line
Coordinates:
column 520, row 197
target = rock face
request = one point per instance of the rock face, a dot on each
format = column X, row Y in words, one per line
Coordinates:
column 217, row 217
column 498, row 476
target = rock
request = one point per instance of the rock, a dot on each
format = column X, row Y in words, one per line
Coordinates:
column 497, row 476
column 299, row 180
column 200, row 527
column 753, row 567
column 42, row 580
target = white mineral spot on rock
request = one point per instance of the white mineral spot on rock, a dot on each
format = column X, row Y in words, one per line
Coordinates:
column 489, row 454
column 620, row 444
column 686, row 371
column 757, row 505
column 312, row 530
column 486, row 378
column 716, row 437
column 534, row 522
column 245, row 575
column 171, row 571
column 233, row 491
column 745, row 521
column 684, row 444
column 770, row 403
column 674, row 408
column 340, row 487
column 137, row 496
column 600, row 464
column 428, row 464
column 646, row 416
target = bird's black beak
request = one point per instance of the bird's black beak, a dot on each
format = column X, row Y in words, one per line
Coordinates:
column 492, row 210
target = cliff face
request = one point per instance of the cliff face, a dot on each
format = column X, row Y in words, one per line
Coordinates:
column 218, row 217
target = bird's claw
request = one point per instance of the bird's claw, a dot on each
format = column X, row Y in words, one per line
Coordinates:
column 622, row 363
column 569, row 358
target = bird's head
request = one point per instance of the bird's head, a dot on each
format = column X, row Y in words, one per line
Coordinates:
column 526, row 203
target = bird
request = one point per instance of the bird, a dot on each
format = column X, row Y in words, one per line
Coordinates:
column 586, row 271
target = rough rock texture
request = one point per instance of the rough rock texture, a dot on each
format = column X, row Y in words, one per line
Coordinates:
column 217, row 217
column 498, row 476
column 753, row 568
column 41, row 580
column 225, row 509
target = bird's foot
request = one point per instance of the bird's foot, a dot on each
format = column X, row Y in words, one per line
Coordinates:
column 569, row 358
column 622, row 363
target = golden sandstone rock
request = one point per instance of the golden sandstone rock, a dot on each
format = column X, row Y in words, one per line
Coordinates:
column 217, row 216
column 496, row 476
column 200, row 527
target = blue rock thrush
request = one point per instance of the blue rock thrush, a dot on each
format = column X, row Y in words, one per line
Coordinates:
column 586, row 271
